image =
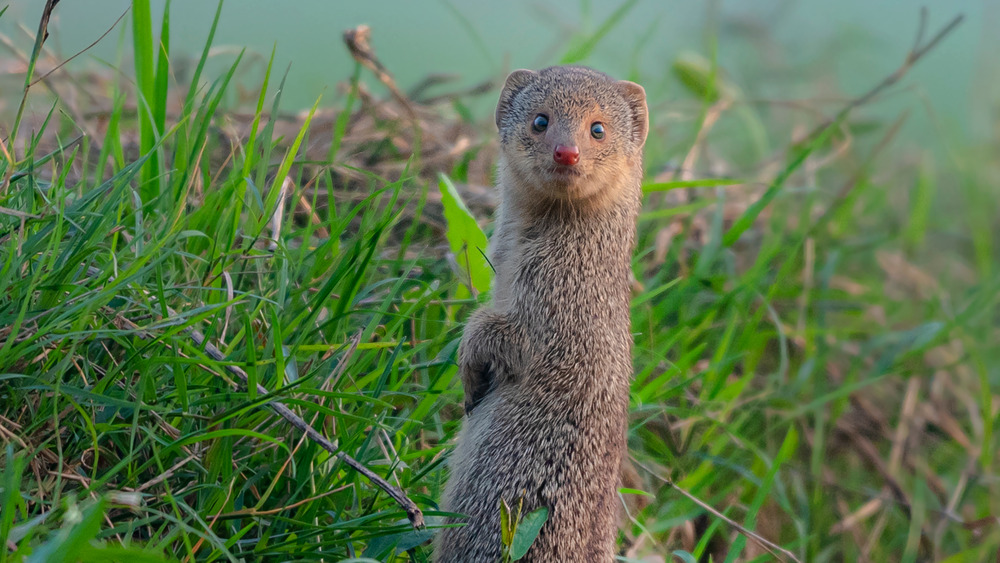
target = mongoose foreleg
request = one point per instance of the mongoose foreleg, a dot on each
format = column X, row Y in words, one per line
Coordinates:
column 493, row 351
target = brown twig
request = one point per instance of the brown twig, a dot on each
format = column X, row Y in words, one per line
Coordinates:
column 916, row 53
column 413, row 513
column 841, row 197
column 358, row 41
column 768, row 545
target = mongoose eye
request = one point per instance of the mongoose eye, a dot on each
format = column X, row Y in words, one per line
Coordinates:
column 540, row 123
column 597, row 130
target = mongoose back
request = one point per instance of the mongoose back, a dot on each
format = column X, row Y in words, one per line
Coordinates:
column 546, row 368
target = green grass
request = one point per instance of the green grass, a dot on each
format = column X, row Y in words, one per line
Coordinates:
column 815, row 352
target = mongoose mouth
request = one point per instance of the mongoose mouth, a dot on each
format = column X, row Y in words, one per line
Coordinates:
column 565, row 171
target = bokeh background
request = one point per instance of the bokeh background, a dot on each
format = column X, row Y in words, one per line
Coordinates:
column 772, row 48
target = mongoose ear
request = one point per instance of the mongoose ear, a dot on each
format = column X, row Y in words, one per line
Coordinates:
column 516, row 81
column 635, row 95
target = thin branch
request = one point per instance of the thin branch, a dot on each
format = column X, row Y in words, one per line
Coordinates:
column 856, row 178
column 921, row 30
column 358, row 41
column 294, row 505
column 413, row 513
column 82, row 51
column 770, row 546
column 915, row 54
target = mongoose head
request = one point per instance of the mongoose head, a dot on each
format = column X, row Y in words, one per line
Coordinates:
column 571, row 133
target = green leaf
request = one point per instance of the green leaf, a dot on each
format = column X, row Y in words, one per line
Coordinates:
column 10, row 496
column 699, row 183
column 94, row 554
column 696, row 73
column 77, row 532
column 972, row 555
column 380, row 546
column 147, row 102
column 684, row 556
column 527, row 531
column 627, row 491
column 506, row 525
column 922, row 202
column 466, row 239
column 746, row 220
column 582, row 49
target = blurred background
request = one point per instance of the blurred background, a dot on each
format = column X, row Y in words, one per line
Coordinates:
column 773, row 49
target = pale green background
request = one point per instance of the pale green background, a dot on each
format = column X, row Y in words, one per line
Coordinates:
column 854, row 41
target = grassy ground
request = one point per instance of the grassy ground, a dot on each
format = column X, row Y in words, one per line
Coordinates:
column 815, row 322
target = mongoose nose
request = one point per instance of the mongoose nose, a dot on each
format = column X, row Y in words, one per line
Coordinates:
column 566, row 155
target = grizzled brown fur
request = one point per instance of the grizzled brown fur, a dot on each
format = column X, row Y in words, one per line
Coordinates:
column 546, row 368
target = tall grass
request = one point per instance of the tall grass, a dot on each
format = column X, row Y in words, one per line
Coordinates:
column 794, row 369
column 114, row 387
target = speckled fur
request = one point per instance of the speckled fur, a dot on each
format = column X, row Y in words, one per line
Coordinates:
column 546, row 368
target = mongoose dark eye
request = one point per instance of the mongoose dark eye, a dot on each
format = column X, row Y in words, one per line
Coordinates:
column 540, row 123
column 597, row 130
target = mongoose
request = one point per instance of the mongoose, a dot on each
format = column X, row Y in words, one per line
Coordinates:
column 546, row 368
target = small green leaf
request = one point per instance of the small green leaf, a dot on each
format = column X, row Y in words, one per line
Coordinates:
column 750, row 215
column 113, row 554
column 506, row 526
column 466, row 239
column 527, row 531
column 684, row 556
column 582, row 48
column 696, row 73
column 79, row 528
column 699, row 183
column 627, row 491
column 380, row 546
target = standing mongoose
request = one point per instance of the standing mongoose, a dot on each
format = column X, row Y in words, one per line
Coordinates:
column 546, row 368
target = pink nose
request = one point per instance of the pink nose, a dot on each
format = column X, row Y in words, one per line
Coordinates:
column 566, row 155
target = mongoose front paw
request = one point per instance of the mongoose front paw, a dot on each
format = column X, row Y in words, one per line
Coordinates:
column 488, row 355
column 474, row 366
column 477, row 381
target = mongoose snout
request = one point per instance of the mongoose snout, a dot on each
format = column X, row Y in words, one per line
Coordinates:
column 567, row 156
